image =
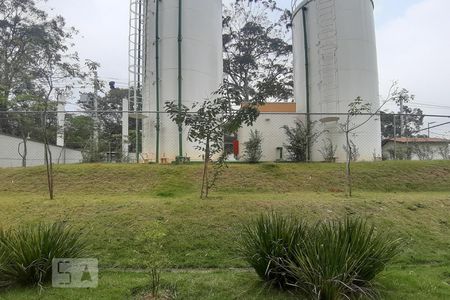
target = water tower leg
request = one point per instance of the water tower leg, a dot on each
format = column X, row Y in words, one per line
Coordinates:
column 125, row 138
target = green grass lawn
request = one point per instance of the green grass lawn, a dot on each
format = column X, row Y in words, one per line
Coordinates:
column 139, row 216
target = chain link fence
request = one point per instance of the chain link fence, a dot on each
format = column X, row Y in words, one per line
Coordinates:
column 127, row 137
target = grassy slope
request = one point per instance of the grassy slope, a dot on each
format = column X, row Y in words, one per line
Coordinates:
column 128, row 211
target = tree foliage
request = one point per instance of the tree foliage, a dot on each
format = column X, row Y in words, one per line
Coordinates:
column 109, row 127
column 33, row 48
column 257, row 58
column 413, row 117
column 208, row 123
column 36, row 64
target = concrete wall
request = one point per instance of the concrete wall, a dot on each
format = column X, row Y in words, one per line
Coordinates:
column 9, row 155
column 270, row 126
column 402, row 149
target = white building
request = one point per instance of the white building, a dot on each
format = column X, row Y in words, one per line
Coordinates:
column 416, row 149
column 11, row 148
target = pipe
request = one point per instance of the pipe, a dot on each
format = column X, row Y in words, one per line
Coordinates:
column 308, row 109
column 180, row 83
column 139, row 88
column 158, row 94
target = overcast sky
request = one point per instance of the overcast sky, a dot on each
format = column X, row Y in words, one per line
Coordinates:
column 413, row 38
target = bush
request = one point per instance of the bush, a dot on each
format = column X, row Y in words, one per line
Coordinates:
column 26, row 253
column 253, row 150
column 270, row 240
column 299, row 138
column 334, row 260
column 328, row 151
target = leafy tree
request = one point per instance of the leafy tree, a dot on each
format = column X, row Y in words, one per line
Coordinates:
column 110, row 123
column 300, row 137
column 26, row 34
column 209, row 123
column 257, row 58
column 35, row 60
column 412, row 119
column 253, row 150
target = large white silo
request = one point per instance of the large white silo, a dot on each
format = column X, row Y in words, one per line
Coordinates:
column 183, row 64
column 335, row 61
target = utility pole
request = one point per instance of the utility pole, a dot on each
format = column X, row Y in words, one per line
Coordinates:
column 96, row 120
column 402, row 120
column 395, row 137
column 430, row 123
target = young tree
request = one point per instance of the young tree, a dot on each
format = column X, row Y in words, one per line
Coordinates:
column 353, row 150
column 208, row 124
column 25, row 124
column 300, row 137
column 356, row 110
column 253, row 147
column 257, row 57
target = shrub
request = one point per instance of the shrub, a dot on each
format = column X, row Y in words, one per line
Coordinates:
column 299, row 138
column 26, row 253
column 267, row 242
column 330, row 260
column 253, row 150
column 341, row 259
column 328, row 151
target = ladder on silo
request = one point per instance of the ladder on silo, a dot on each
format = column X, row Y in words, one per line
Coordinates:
column 136, row 54
column 327, row 37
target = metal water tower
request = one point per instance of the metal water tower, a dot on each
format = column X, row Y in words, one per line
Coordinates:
column 175, row 56
column 335, row 61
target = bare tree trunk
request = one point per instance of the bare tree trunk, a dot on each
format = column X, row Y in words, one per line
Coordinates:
column 349, row 160
column 49, row 166
column 25, row 151
column 204, row 193
column 48, row 153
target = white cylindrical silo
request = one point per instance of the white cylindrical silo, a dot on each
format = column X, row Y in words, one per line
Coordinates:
column 183, row 64
column 335, row 61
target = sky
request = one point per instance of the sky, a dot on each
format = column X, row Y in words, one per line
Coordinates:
column 413, row 41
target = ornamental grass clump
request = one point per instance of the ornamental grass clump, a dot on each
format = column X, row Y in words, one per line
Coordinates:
column 329, row 260
column 268, row 242
column 26, row 253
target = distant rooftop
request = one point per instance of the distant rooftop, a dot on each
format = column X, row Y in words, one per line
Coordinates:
column 278, row 107
column 417, row 140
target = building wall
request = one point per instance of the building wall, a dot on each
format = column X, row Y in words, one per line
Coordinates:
column 9, row 155
column 402, row 149
column 270, row 126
